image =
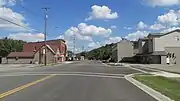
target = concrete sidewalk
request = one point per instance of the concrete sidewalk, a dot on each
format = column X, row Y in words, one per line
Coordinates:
column 167, row 68
column 18, row 65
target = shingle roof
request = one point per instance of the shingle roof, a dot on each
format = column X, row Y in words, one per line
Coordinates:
column 30, row 47
column 51, row 48
column 162, row 34
column 21, row 54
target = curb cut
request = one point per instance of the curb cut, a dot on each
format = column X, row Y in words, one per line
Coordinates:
column 155, row 94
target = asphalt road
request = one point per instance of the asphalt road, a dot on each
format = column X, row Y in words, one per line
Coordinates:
column 79, row 81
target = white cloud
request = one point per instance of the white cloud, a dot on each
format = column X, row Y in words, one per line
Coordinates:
column 142, row 25
column 157, row 26
column 167, row 20
column 113, row 27
column 7, row 2
column 112, row 40
column 109, row 40
column 74, row 32
column 128, row 28
column 170, row 29
column 10, row 15
column 60, row 37
column 163, row 2
column 27, row 36
column 136, row 35
column 85, row 32
column 102, row 12
column 94, row 45
column 170, row 19
column 90, row 30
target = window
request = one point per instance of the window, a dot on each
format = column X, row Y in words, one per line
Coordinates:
column 177, row 38
column 173, row 55
column 16, row 58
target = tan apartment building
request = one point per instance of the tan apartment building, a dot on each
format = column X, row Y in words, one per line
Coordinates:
column 160, row 48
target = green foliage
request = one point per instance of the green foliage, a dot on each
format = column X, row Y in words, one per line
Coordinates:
column 10, row 45
column 103, row 53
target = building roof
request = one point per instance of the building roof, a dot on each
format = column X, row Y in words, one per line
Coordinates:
column 162, row 53
column 162, row 34
column 21, row 54
column 52, row 49
column 48, row 41
column 144, row 39
column 32, row 46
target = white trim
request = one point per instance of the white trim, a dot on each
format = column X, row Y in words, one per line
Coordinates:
column 50, row 49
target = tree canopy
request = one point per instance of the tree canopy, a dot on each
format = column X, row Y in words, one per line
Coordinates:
column 103, row 53
column 10, row 45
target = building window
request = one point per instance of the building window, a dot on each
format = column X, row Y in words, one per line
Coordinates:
column 177, row 38
column 16, row 58
column 173, row 55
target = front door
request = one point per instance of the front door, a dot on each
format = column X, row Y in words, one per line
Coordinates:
column 0, row 60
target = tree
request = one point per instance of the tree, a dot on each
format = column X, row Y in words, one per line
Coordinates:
column 10, row 45
column 103, row 53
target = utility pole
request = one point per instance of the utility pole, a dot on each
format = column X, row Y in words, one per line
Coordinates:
column 45, row 34
column 74, row 46
column 83, row 48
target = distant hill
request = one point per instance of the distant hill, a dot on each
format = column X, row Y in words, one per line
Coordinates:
column 109, row 51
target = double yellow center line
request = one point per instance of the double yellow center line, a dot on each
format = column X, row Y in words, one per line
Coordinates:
column 2, row 95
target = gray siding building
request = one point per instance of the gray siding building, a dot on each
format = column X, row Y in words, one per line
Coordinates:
column 125, row 50
column 157, row 48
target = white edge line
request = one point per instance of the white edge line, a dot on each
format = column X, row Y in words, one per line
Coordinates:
column 157, row 95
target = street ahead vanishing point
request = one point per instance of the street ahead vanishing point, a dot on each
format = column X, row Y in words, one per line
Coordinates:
column 79, row 81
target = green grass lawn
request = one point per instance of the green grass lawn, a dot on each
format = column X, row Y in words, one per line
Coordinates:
column 166, row 86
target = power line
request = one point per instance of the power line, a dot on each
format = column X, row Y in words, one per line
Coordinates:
column 17, row 24
column 31, row 11
column 12, row 22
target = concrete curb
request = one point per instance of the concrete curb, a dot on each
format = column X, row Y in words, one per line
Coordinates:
column 156, row 95
column 106, row 65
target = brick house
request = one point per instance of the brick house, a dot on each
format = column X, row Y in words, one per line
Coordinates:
column 34, row 52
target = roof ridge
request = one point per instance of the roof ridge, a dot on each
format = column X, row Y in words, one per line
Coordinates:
column 46, row 41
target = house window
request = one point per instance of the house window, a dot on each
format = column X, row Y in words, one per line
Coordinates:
column 177, row 38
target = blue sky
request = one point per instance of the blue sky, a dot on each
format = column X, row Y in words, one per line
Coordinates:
column 93, row 22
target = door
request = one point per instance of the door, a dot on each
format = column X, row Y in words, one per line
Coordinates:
column 0, row 60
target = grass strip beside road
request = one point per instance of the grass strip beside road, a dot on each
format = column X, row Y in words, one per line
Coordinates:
column 168, row 87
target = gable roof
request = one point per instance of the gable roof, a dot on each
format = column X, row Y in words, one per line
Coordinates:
column 21, row 54
column 30, row 47
column 49, row 47
column 162, row 34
